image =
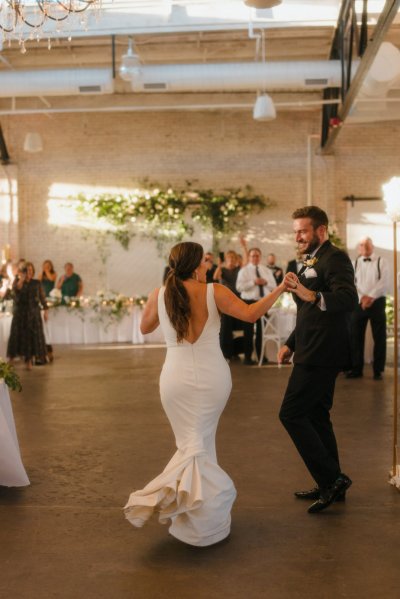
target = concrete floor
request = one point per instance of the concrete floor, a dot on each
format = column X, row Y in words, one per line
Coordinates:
column 91, row 429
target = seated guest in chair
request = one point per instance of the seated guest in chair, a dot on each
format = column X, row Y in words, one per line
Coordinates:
column 254, row 281
column 70, row 283
column 48, row 277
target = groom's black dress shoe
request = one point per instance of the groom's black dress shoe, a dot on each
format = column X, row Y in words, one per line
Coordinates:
column 329, row 495
column 354, row 374
column 315, row 494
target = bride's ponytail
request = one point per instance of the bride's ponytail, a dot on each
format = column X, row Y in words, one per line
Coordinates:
column 183, row 261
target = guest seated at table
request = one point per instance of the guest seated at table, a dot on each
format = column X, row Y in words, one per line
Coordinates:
column 254, row 281
column 70, row 283
column 276, row 270
column 26, row 336
column 48, row 277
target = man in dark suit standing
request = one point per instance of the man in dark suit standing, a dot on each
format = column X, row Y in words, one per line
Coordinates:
column 296, row 264
column 325, row 295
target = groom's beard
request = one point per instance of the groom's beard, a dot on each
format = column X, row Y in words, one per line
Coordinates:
column 312, row 245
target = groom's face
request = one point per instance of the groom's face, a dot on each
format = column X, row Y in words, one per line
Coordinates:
column 307, row 237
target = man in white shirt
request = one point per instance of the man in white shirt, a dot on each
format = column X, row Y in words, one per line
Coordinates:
column 372, row 276
column 254, row 281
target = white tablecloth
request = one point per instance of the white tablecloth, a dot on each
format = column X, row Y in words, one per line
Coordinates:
column 12, row 471
column 68, row 327
column 5, row 326
column 84, row 327
column 285, row 320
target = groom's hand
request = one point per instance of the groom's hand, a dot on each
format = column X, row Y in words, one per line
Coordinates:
column 290, row 281
column 304, row 294
column 284, row 354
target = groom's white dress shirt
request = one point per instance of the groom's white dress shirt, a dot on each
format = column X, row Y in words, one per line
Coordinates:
column 246, row 285
column 372, row 276
column 321, row 304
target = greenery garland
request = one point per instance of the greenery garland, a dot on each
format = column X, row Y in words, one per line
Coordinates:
column 167, row 214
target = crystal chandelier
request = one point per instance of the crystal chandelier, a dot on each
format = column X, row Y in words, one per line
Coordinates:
column 25, row 19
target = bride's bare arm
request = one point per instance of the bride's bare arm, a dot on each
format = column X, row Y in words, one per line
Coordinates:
column 228, row 303
column 150, row 320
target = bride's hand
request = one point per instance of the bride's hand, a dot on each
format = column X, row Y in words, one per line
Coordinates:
column 282, row 287
column 290, row 281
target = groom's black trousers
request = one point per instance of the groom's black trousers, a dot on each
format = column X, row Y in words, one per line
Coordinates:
column 305, row 415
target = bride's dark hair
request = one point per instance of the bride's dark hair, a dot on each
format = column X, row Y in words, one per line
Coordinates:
column 183, row 260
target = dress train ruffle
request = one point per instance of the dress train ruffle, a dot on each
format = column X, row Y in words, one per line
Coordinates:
column 193, row 492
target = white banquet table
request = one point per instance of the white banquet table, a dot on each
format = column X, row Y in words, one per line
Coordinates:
column 5, row 326
column 12, row 471
column 84, row 327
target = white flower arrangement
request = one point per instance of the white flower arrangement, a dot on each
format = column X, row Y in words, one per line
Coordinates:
column 55, row 294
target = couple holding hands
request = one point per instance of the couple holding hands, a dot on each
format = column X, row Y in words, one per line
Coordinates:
column 193, row 493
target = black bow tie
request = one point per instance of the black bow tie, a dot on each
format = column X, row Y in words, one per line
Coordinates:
column 367, row 260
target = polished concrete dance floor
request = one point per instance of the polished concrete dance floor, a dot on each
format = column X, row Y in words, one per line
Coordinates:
column 91, row 430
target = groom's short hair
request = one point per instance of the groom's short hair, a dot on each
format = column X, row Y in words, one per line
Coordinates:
column 317, row 216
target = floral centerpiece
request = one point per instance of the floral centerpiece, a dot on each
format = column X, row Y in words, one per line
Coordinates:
column 10, row 377
column 109, row 307
column 140, row 301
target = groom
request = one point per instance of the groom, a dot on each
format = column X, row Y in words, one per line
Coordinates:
column 325, row 295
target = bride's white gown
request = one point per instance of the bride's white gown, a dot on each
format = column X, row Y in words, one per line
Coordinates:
column 12, row 471
column 193, row 492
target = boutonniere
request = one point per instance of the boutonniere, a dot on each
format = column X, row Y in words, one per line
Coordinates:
column 310, row 262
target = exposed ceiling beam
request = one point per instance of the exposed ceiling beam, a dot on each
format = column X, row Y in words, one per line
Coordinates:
column 386, row 18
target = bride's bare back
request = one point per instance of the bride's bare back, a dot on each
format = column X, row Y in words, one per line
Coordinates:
column 197, row 293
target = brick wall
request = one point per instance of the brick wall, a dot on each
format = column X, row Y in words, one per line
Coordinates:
column 219, row 149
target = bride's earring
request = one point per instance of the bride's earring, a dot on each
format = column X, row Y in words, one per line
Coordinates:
column 196, row 276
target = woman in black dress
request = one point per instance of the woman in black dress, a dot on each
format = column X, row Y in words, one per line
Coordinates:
column 26, row 336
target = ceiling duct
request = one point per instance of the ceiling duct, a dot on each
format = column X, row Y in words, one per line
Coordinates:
column 246, row 76
column 56, row 82
column 376, row 101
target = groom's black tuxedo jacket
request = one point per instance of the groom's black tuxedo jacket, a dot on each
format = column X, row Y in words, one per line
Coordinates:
column 322, row 338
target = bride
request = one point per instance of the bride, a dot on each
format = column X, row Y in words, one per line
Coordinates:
column 193, row 492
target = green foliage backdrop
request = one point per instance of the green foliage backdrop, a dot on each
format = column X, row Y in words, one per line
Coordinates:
column 167, row 215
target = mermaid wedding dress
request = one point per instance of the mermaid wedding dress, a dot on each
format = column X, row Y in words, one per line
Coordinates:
column 193, row 492
column 12, row 471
